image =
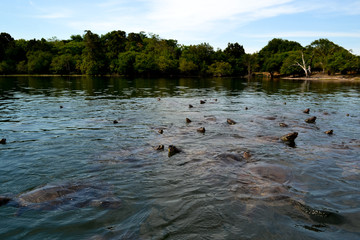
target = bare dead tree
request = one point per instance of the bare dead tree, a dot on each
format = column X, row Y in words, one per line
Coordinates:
column 304, row 66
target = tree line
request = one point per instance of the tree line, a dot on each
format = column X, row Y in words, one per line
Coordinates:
column 138, row 54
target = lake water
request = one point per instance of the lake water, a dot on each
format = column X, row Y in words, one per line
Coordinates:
column 61, row 132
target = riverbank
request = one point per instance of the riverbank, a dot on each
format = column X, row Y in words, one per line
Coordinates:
column 314, row 77
column 326, row 77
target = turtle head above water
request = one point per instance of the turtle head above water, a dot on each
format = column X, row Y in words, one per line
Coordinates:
column 4, row 200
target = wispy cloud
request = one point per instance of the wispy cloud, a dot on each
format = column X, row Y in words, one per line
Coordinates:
column 195, row 14
column 186, row 19
column 168, row 17
column 54, row 15
column 305, row 34
column 195, row 21
column 43, row 11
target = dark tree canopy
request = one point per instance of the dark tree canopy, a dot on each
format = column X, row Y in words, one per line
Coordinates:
column 278, row 45
column 120, row 53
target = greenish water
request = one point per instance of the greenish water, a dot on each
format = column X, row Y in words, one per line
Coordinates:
column 208, row 190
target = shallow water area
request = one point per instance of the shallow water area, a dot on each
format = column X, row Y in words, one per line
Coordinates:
column 62, row 132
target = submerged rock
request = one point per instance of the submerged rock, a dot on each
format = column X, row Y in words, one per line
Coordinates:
column 188, row 120
column 283, row 125
column 172, row 150
column 311, row 120
column 202, row 102
column 191, row 106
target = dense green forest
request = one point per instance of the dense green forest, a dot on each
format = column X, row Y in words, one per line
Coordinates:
column 136, row 54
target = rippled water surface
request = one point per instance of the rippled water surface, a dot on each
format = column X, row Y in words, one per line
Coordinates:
column 74, row 173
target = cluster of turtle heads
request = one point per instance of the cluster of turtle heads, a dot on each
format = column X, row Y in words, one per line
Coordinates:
column 290, row 137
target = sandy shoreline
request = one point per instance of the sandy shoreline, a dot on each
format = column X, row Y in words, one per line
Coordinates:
column 325, row 77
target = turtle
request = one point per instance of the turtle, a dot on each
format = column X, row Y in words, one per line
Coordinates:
column 230, row 157
column 269, row 183
column 159, row 147
column 230, row 121
column 311, row 120
column 329, row 132
column 172, row 150
column 53, row 196
column 201, row 130
column 283, row 125
column 290, row 137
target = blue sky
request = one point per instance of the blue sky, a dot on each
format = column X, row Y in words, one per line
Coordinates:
column 251, row 23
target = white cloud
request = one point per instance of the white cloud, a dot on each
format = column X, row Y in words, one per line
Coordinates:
column 305, row 34
column 163, row 16
column 199, row 15
column 196, row 21
column 183, row 20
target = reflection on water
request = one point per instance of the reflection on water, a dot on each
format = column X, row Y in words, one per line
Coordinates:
column 231, row 182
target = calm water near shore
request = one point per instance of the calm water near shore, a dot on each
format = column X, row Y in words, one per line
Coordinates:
column 61, row 132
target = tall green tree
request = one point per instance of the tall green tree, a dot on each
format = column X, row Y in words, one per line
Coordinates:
column 323, row 49
column 220, row 69
column 165, row 54
column 274, row 53
column 278, row 45
column 297, row 63
column 63, row 64
column 342, row 61
column 273, row 63
column 39, row 62
column 235, row 55
column 201, row 55
column 251, row 63
column 135, row 41
column 6, row 41
column 93, row 56
column 114, row 43
column 125, row 63
column 7, row 53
